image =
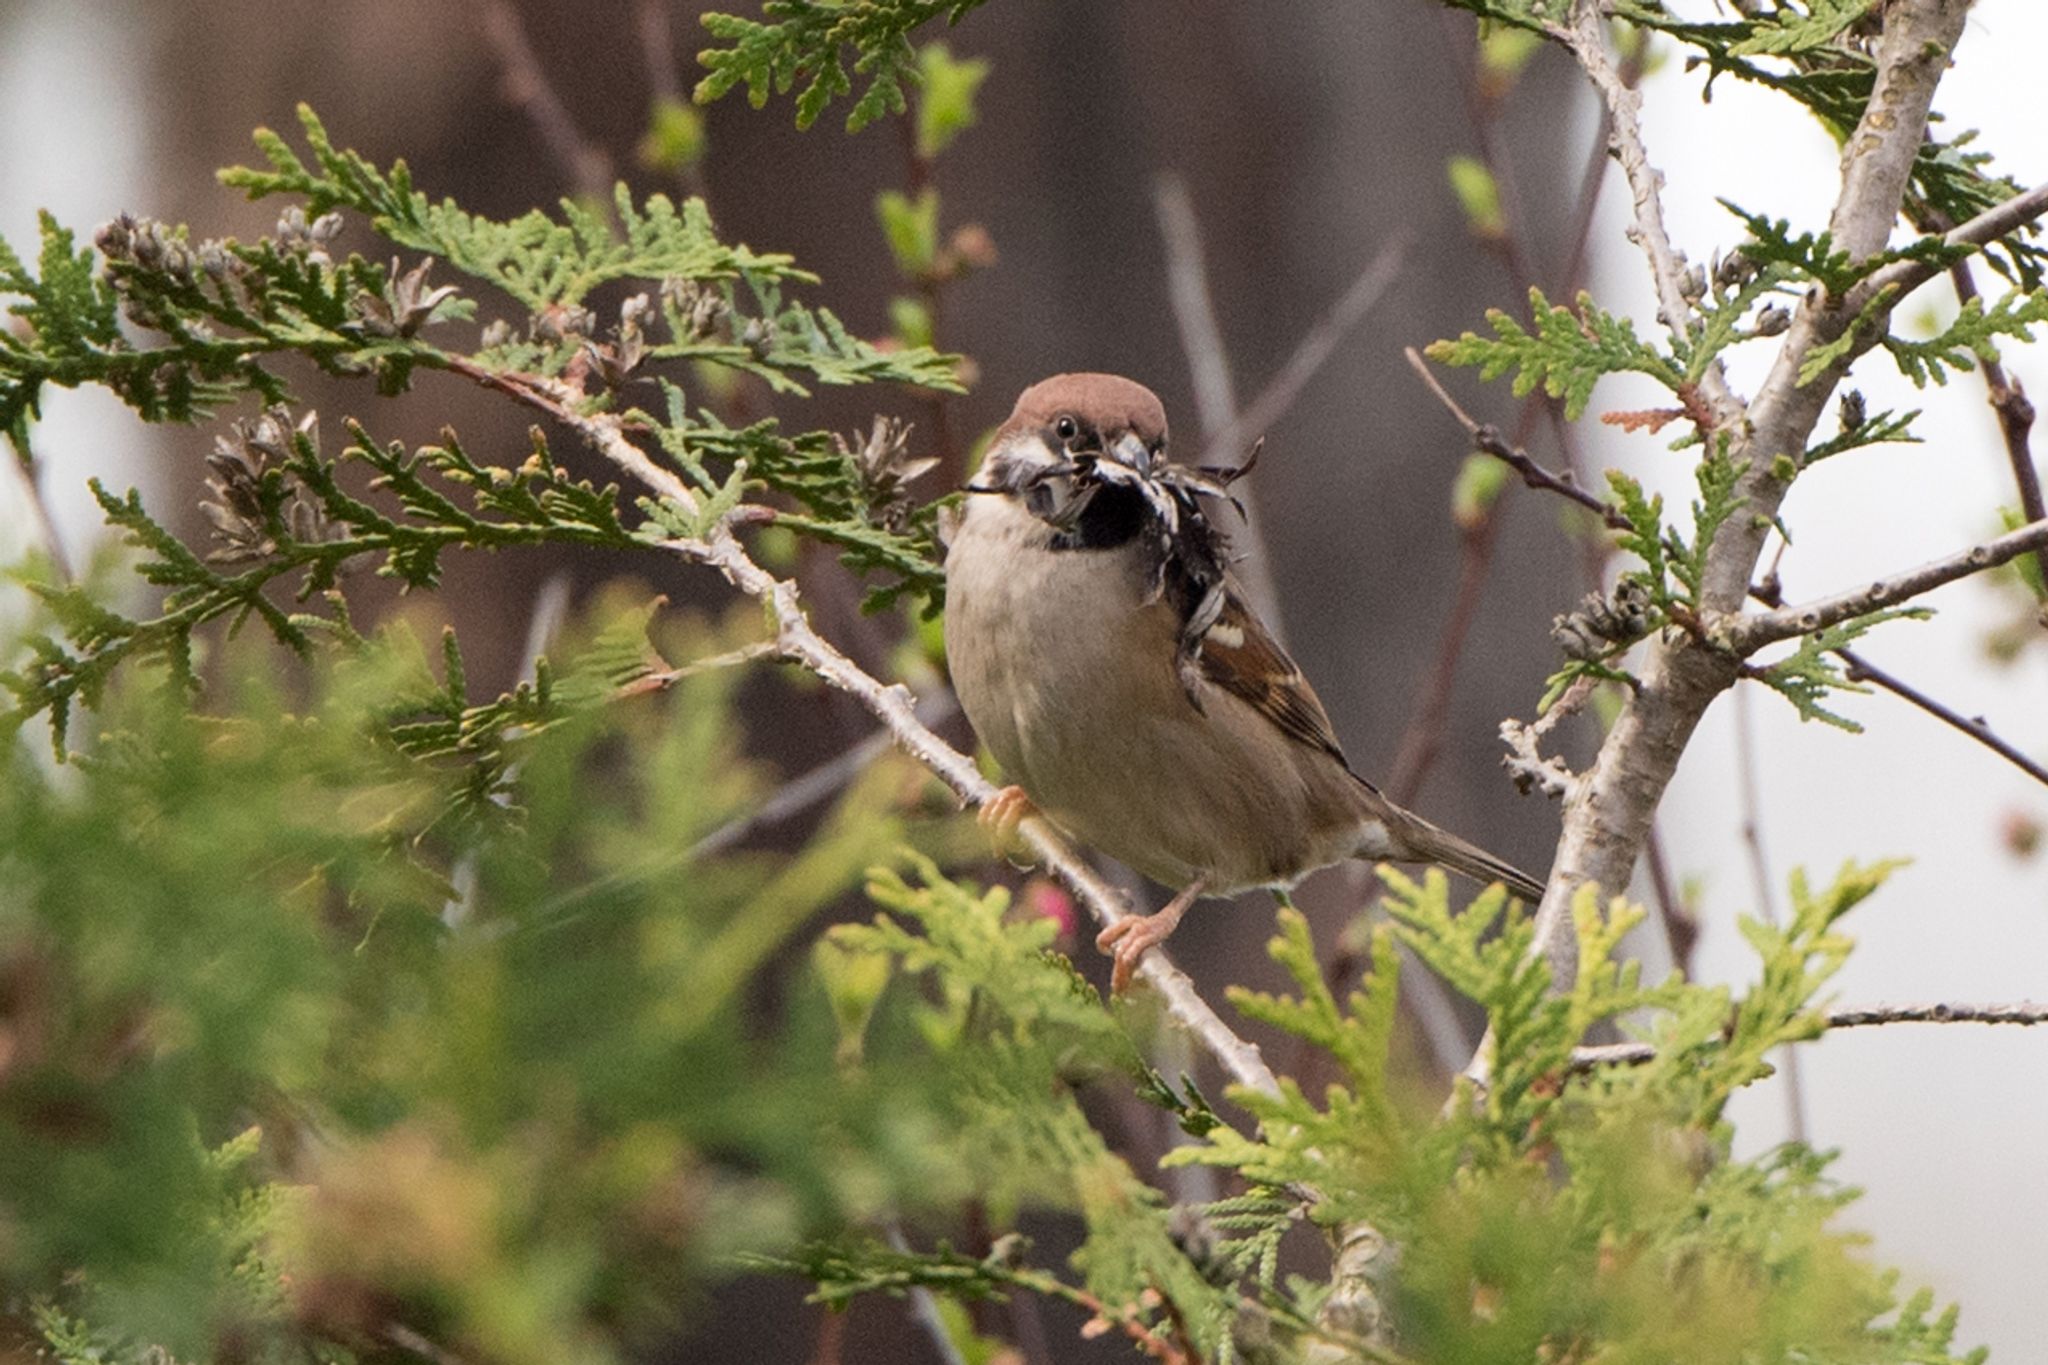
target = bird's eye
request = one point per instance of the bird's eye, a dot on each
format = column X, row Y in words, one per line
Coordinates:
column 1066, row 428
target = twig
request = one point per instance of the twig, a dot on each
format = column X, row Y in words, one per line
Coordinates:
column 1423, row 737
column 1744, row 635
column 29, row 470
column 924, row 1305
column 1201, row 340
column 1315, row 347
column 658, row 48
column 891, row 703
column 1762, row 886
column 2023, row 1013
column 2008, row 400
column 1194, row 309
column 810, row 787
column 582, row 161
column 661, row 680
column 1988, row 226
column 1681, row 931
column 1488, row 440
column 1862, row 670
column 1525, row 759
column 1586, row 36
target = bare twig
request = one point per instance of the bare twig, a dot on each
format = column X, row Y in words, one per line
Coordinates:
column 1988, row 226
column 29, row 469
column 582, row 161
column 1862, row 670
column 2023, row 1013
column 1488, row 440
column 2009, row 402
column 1586, row 36
column 1315, row 347
column 1201, row 339
column 1525, row 758
column 1681, row 930
column 924, row 1305
column 1746, row 634
column 658, row 48
column 891, row 703
column 1762, row 886
column 1771, row 593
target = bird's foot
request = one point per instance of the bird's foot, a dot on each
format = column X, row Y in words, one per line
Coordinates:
column 1129, row 939
column 1002, row 813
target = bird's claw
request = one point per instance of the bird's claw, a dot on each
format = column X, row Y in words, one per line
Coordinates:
column 1003, row 812
column 1127, row 941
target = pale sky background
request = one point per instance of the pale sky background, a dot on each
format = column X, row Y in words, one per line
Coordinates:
column 1944, row 1127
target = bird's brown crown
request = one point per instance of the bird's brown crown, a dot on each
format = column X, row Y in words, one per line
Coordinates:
column 1107, row 403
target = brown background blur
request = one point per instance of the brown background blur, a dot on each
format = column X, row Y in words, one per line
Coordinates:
column 1309, row 136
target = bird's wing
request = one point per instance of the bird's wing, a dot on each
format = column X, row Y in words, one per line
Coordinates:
column 1239, row 655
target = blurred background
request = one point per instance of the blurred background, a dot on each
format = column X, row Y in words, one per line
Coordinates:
column 1294, row 182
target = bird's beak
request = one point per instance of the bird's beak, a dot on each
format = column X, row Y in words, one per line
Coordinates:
column 1129, row 451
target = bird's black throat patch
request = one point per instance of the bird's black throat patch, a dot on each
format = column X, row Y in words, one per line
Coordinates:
column 1111, row 517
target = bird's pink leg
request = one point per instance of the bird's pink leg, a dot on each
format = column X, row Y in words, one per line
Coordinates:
column 1130, row 938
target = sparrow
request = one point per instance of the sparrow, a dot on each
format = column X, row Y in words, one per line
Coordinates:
column 1105, row 654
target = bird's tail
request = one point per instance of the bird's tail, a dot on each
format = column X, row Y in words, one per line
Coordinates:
column 1423, row 842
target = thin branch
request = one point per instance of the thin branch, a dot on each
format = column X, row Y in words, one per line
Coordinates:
column 658, row 49
column 1976, row 727
column 924, row 1305
column 1681, row 930
column 1586, row 36
column 2024, row 1013
column 1747, row 634
column 1771, row 594
column 661, row 680
column 1311, row 352
column 1762, row 885
column 1423, row 737
column 891, row 703
column 1488, row 440
column 584, row 164
column 2008, row 400
column 1988, row 226
column 29, row 469
column 1201, row 340
column 1194, row 309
